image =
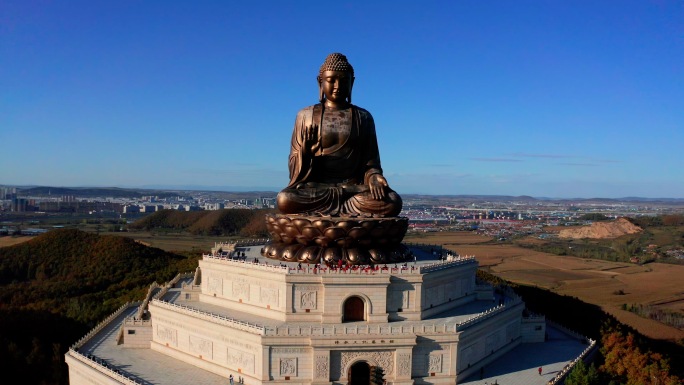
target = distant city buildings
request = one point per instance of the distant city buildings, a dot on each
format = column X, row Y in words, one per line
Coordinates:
column 13, row 199
column 214, row 206
column 7, row 192
column 496, row 217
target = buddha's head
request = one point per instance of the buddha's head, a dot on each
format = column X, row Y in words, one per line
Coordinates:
column 335, row 80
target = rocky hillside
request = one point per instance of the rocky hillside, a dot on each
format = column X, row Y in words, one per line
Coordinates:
column 600, row 230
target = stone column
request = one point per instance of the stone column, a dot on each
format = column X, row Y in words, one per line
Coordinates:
column 263, row 370
column 453, row 359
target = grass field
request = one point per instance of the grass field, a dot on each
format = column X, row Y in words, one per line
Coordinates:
column 594, row 281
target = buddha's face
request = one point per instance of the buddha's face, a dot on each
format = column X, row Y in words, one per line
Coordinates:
column 336, row 85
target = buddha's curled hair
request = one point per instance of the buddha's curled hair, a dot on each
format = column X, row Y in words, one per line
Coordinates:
column 336, row 62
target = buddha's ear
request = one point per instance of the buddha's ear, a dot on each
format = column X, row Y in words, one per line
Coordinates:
column 321, row 95
column 351, row 86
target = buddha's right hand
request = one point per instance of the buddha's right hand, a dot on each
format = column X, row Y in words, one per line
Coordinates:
column 311, row 138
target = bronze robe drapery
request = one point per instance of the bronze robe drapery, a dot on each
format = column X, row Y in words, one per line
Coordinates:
column 334, row 180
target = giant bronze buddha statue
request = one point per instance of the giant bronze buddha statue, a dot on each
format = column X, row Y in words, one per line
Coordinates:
column 338, row 205
column 334, row 159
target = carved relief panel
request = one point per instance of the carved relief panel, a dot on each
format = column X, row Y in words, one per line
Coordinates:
column 403, row 364
column 288, row 366
column 321, row 367
column 215, row 285
column 269, row 296
column 435, row 363
column 238, row 359
column 241, row 290
column 201, row 346
column 167, row 334
column 306, row 297
column 382, row 358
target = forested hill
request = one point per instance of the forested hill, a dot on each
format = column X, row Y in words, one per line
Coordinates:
column 245, row 222
column 55, row 287
column 63, row 264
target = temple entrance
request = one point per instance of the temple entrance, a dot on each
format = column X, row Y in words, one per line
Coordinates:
column 359, row 374
column 353, row 310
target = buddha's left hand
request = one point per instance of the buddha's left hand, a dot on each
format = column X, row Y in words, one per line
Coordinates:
column 377, row 184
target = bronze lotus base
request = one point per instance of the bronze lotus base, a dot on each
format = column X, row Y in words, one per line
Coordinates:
column 329, row 240
column 333, row 255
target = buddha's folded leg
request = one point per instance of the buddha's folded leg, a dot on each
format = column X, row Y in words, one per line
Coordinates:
column 321, row 200
column 364, row 203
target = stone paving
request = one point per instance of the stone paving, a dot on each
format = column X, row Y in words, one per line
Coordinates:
column 423, row 257
column 521, row 365
column 145, row 365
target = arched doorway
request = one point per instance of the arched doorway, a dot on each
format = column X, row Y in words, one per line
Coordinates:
column 353, row 310
column 359, row 374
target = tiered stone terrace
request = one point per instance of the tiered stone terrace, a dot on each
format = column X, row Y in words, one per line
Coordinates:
column 275, row 322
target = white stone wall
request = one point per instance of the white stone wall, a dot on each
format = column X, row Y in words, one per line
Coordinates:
column 291, row 363
column 137, row 335
column 275, row 293
column 483, row 340
column 372, row 289
column 244, row 287
column 212, row 346
column 81, row 373
column 533, row 329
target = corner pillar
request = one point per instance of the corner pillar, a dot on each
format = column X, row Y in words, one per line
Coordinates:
column 403, row 366
column 321, row 367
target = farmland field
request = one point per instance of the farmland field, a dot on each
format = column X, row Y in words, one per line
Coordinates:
column 603, row 283
column 11, row 240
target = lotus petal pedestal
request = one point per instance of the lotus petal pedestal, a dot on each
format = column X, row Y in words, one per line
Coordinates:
column 319, row 239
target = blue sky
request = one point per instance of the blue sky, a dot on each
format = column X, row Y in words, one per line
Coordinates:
column 541, row 98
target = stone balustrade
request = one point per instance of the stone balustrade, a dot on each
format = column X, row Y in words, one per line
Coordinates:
column 237, row 324
column 242, row 243
column 148, row 297
column 340, row 329
column 445, row 265
column 171, row 284
column 130, row 321
column 102, row 324
column 102, row 367
column 407, row 268
column 488, row 313
column 560, row 376
column 238, row 262
column 387, row 330
column 381, row 331
column 193, row 287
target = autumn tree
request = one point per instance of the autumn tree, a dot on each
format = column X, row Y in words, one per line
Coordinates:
column 625, row 361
